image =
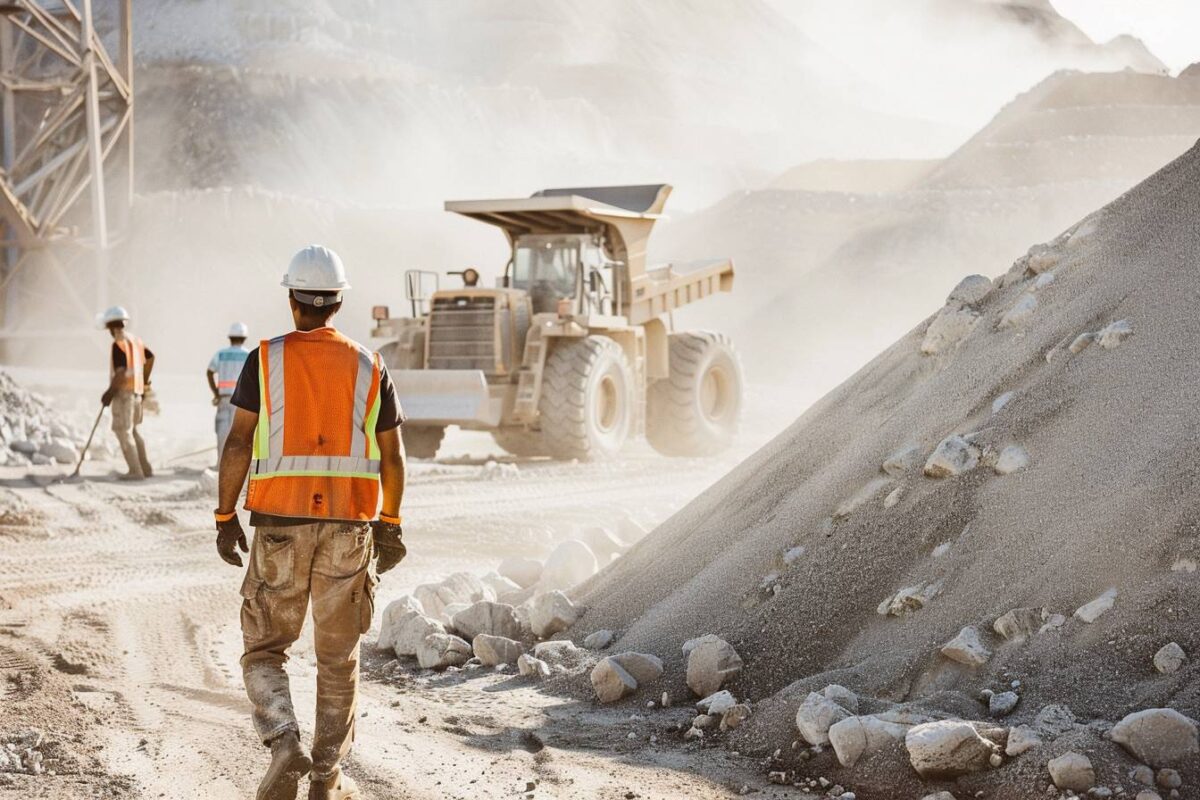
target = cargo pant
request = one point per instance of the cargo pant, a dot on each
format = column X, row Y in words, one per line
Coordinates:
column 224, row 422
column 331, row 563
column 126, row 416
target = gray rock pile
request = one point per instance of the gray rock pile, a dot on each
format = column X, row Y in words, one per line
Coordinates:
column 31, row 431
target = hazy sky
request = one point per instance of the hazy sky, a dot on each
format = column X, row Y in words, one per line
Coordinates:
column 1170, row 28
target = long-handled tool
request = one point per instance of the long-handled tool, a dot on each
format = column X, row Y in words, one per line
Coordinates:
column 86, row 445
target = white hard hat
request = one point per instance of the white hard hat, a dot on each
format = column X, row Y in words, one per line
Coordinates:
column 114, row 314
column 238, row 330
column 316, row 269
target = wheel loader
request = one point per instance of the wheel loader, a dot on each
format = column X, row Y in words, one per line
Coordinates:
column 572, row 354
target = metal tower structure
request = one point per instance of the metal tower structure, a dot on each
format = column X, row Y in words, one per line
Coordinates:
column 66, row 110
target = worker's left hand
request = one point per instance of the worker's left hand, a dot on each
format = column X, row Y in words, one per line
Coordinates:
column 230, row 536
column 389, row 545
column 216, row 400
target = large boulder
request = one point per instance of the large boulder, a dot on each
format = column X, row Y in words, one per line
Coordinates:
column 821, row 711
column 854, row 737
column 411, row 631
column 60, row 449
column 953, row 456
column 441, row 650
column 571, row 563
column 551, row 613
column 500, row 585
column 393, row 615
column 524, row 572
column 644, row 667
column 1158, row 736
column 948, row 748
column 967, row 648
column 709, row 664
column 496, row 619
column 495, row 650
column 460, row 588
column 1072, row 771
column 611, row 681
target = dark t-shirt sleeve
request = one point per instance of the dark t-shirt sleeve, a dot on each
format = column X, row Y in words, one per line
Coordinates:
column 246, row 395
column 118, row 357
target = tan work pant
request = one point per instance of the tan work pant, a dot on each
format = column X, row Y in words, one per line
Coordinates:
column 331, row 563
column 126, row 416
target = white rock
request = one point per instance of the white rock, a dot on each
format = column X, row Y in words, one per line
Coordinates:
column 602, row 543
column 951, row 325
column 1053, row 622
column 893, row 497
column 818, row 713
column 559, row 653
column 1169, row 658
column 1073, row 771
column 954, row 456
column 494, row 619
column 528, row 666
column 1042, row 257
column 1012, row 459
column 909, row 599
column 571, row 563
column 598, row 640
column 1111, row 336
column 693, row 733
column 644, row 667
column 703, row 721
column 948, row 748
column 1021, row 312
column 1019, row 623
column 1042, row 281
column 692, row 644
column 971, row 290
column 493, row 650
column 717, row 703
column 903, row 461
column 395, row 612
column 1157, row 736
column 1021, row 739
column 500, row 585
column 1080, row 342
column 453, row 608
column 854, row 737
column 550, row 613
column 1001, row 704
column 41, row 459
column 524, row 572
column 710, row 664
column 1000, row 402
column 61, row 450
column 735, row 716
column 410, row 631
column 460, row 589
column 938, row 796
column 441, row 650
column 967, row 648
column 1090, row 612
column 611, row 681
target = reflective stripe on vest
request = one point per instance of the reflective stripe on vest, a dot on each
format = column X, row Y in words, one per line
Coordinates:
column 135, row 364
column 294, row 473
column 230, row 361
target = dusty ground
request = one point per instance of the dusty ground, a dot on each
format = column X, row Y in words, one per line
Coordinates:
column 118, row 643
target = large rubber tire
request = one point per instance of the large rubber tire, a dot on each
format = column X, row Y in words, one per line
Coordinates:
column 422, row 441
column 521, row 443
column 696, row 411
column 587, row 405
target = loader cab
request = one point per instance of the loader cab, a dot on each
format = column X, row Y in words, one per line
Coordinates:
column 556, row 267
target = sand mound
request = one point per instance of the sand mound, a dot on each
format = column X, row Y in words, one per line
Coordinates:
column 1099, row 504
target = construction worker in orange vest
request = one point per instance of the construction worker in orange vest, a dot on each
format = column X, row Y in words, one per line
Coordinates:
column 316, row 425
column 130, row 365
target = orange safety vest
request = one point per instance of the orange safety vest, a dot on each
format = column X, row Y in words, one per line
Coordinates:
column 135, row 364
column 315, row 451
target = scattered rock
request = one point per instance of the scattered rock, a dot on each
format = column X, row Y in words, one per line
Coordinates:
column 441, row 650
column 1072, row 771
column 460, row 589
column 792, row 555
column 948, row 748
column 1000, row 402
column 1169, row 658
column 909, row 599
column 524, row 572
column 528, row 666
column 1042, row 281
column 598, row 640
column 1002, row 704
column 971, row 290
column 1012, row 459
column 1142, row 774
column 611, row 681
column 735, row 716
column 1157, row 736
column 393, row 615
column 492, row 650
column 551, row 613
column 1148, row 794
column 1168, row 779
column 61, row 450
column 893, row 497
column 500, row 585
column 821, row 711
column 703, row 721
column 560, row 653
column 854, row 737
column 967, row 648
column 717, row 703
column 644, row 667
column 571, row 563
column 1041, row 258
column 1021, row 739
column 954, row 456
column 903, row 461
column 709, row 664
column 1053, row 720
column 1053, row 622
column 1020, row 313
column 410, row 632
column 938, row 796
column 1090, row 612
column 1111, row 336
column 1019, row 623
column 1080, row 342
column 951, row 325
column 486, row 616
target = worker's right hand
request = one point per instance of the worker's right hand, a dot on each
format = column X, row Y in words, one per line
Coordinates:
column 216, row 400
column 107, row 398
column 230, row 537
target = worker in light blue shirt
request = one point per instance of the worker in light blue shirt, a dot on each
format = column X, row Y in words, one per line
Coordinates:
column 223, row 372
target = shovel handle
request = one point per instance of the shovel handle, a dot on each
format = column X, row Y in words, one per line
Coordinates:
column 91, row 435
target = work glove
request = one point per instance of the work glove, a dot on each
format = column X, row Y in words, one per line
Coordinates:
column 150, row 402
column 216, row 400
column 230, row 537
column 389, row 544
column 107, row 398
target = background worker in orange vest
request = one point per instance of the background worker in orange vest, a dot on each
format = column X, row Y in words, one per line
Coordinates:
column 317, row 426
column 130, row 366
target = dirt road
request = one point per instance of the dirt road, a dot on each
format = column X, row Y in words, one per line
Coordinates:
column 119, row 646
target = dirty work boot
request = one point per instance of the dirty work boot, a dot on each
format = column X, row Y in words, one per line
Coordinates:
column 338, row 786
column 289, row 763
column 131, row 476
